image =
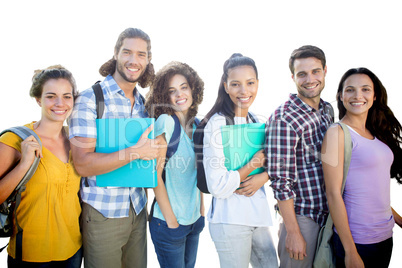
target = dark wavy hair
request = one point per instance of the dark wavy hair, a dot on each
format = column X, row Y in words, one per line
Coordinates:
column 158, row 100
column 381, row 121
column 223, row 104
column 40, row 77
column 306, row 52
column 109, row 67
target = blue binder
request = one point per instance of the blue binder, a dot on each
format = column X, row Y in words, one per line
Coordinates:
column 115, row 134
column 240, row 143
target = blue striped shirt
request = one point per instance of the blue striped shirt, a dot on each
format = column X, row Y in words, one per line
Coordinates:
column 112, row 202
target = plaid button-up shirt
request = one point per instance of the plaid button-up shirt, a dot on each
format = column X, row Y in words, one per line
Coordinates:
column 112, row 202
column 293, row 145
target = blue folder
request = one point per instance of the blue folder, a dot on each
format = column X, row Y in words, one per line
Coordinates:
column 115, row 134
column 240, row 143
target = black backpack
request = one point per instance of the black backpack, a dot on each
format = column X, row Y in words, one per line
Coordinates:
column 199, row 152
column 100, row 100
column 8, row 209
column 171, row 150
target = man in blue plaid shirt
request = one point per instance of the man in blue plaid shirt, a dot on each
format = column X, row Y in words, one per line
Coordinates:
column 114, row 219
column 293, row 145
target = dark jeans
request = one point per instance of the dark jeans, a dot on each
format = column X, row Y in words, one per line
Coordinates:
column 373, row 255
column 176, row 247
column 73, row 262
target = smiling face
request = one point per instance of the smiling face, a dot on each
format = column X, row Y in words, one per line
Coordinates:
column 131, row 60
column 180, row 94
column 358, row 94
column 309, row 77
column 242, row 87
column 57, row 100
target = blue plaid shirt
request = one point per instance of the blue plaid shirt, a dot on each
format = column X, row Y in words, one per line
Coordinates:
column 112, row 202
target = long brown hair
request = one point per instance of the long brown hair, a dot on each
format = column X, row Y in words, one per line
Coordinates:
column 109, row 67
column 381, row 121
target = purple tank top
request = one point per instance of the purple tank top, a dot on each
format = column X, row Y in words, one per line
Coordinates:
column 367, row 191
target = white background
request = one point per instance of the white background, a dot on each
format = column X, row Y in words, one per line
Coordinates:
column 81, row 35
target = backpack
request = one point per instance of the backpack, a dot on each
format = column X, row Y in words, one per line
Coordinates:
column 8, row 209
column 199, row 152
column 100, row 100
column 171, row 150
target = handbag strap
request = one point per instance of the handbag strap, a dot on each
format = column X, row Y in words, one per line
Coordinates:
column 346, row 163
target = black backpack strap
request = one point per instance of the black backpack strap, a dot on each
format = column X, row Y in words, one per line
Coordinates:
column 100, row 108
column 252, row 118
column 196, row 121
column 175, row 139
column 100, row 100
column 230, row 121
column 1, row 249
column 198, row 138
column 171, row 150
column 18, row 237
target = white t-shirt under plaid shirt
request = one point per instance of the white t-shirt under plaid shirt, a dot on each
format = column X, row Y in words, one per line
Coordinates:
column 293, row 145
column 112, row 202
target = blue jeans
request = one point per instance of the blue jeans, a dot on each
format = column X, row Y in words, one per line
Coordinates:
column 72, row 262
column 176, row 248
column 240, row 245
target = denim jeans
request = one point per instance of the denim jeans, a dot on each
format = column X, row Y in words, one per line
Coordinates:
column 239, row 245
column 176, row 248
column 72, row 262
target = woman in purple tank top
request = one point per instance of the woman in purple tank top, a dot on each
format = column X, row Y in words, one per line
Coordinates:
column 363, row 216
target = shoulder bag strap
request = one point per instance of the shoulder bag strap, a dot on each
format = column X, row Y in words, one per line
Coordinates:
column 346, row 163
column 23, row 132
column 347, row 152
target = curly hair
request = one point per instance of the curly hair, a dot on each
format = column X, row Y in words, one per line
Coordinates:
column 40, row 77
column 109, row 67
column 381, row 121
column 158, row 100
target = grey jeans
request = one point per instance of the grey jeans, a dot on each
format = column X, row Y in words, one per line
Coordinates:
column 309, row 230
column 114, row 242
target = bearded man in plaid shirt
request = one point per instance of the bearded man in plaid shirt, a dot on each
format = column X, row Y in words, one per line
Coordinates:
column 294, row 135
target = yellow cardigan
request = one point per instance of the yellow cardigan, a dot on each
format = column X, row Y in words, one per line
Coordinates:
column 49, row 210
